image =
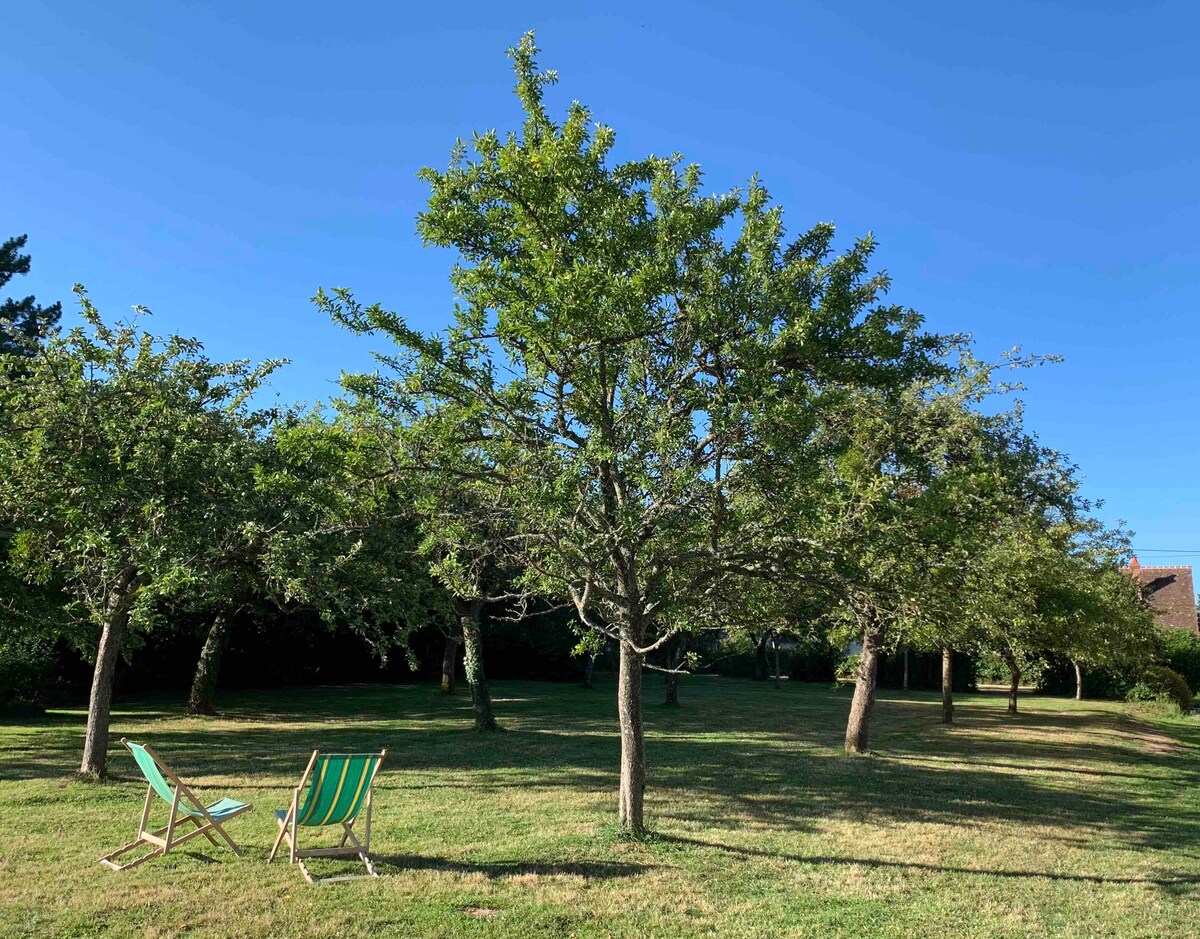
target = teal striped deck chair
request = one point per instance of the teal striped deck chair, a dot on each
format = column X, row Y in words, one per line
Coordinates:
column 339, row 792
column 186, row 809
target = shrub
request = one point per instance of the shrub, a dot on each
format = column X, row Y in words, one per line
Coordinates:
column 1161, row 685
column 26, row 662
column 1181, row 653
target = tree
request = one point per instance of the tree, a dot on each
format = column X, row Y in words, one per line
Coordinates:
column 28, row 613
column 610, row 365
column 316, row 524
column 1054, row 584
column 23, row 323
column 115, row 454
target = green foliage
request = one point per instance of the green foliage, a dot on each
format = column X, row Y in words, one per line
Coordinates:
column 1181, row 653
column 1161, row 685
column 123, row 458
column 847, row 669
column 23, row 322
column 26, row 666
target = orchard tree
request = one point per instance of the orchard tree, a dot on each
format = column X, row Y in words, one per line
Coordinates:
column 1054, row 584
column 906, row 483
column 320, row 526
column 116, row 465
column 609, row 365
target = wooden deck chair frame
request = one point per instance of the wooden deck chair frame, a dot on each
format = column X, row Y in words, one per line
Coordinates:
column 185, row 808
column 289, row 828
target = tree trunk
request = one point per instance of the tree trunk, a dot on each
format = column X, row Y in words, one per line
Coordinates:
column 761, row 667
column 775, row 645
column 449, row 662
column 631, row 797
column 95, row 741
column 675, row 660
column 672, row 698
column 947, row 686
column 481, row 698
column 204, row 682
column 589, row 667
column 1078, row 680
column 1011, row 661
column 906, row 668
column 864, row 691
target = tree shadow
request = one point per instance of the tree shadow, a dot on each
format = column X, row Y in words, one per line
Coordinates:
column 1172, row 881
column 589, row 870
column 733, row 757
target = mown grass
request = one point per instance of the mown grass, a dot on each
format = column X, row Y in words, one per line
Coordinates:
column 1071, row 819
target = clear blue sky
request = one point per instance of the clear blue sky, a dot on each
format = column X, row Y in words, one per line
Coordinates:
column 1029, row 169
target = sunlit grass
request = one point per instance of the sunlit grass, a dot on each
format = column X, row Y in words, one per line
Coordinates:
column 1072, row 819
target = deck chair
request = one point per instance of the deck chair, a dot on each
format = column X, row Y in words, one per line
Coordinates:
column 185, row 809
column 340, row 790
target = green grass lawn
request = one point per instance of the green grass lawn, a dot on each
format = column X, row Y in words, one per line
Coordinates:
column 1072, row 819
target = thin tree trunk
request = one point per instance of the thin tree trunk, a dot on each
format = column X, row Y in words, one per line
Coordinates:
column 864, row 691
column 906, row 668
column 204, row 682
column 95, row 741
column 672, row 698
column 676, row 660
column 1078, row 680
column 631, row 796
column 1015, row 671
column 775, row 644
column 449, row 663
column 947, row 686
column 481, row 698
column 589, row 667
column 761, row 667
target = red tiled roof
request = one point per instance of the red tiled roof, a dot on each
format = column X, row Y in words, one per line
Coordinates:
column 1169, row 591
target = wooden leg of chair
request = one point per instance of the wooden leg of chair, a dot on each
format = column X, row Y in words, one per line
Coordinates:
column 304, row 870
column 362, row 853
column 205, row 830
column 279, row 840
column 110, row 860
column 229, row 841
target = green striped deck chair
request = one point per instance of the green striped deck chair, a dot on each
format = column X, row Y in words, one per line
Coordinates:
column 340, row 791
column 185, row 809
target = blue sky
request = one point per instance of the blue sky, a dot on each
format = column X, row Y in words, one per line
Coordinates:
column 1030, row 171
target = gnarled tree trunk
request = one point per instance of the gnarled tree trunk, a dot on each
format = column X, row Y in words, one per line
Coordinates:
column 204, row 682
column 481, row 698
column 864, row 690
column 947, row 686
column 1078, row 680
column 449, row 663
column 631, row 796
column 95, row 741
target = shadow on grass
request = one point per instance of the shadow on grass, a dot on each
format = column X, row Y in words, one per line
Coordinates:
column 932, row 868
column 737, row 755
column 591, row 870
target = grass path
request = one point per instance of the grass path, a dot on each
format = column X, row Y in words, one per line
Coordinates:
column 1073, row 819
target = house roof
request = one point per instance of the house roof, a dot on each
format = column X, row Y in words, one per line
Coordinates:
column 1170, row 593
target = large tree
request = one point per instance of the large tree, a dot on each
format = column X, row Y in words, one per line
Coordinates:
column 613, row 357
column 116, row 449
